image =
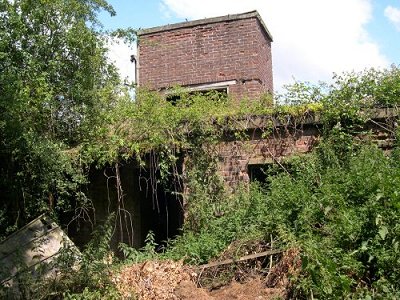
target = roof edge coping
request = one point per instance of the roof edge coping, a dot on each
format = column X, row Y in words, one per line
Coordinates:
column 241, row 16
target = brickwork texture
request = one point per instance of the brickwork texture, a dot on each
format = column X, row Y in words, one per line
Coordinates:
column 227, row 50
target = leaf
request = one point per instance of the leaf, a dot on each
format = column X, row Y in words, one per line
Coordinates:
column 364, row 245
column 327, row 210
column 396, row 246
column 378, row 219
column 383, row 231
column 379, row 196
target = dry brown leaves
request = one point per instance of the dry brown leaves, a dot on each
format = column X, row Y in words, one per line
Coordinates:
column 252, row 288
column 172, row 280
column 290, row 264
column 151, row 280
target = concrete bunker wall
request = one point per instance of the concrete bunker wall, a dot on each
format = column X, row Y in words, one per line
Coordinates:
column 237, row 157
column 138, row 207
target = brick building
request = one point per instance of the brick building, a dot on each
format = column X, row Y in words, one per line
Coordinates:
column 230, row 53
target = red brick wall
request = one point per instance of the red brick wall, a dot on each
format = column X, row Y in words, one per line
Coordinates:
column 229, row 50
column 236, row 156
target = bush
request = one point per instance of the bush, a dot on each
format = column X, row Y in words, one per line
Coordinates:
column 343, row 215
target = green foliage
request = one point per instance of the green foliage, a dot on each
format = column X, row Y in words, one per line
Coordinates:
column 132, row 255
column 345, row 225
column 369, row 87
column 302, row 92
column 107, row 293
column 343, row 215
column 339, row 225
column 91, row 276
column 238, row 217
column 55, row 83
column 62, row 110
column 349, row 97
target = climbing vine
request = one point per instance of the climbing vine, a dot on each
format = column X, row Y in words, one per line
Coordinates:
column 64, row 112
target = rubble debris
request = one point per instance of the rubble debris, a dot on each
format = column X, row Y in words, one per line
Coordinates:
column 32, row 249
column 243, row 258
column 172, row 280
column 151, row 279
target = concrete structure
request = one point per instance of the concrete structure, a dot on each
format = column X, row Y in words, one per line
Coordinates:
column 147, row 206
column 240, row 161
column 31, row 251
column 230, row 53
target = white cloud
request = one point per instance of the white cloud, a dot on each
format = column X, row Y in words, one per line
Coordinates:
column 312, row 38
column 166, row 13
column 393, row 14
column 120, row 54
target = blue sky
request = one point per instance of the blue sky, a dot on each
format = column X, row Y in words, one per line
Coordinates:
column 138, row 14
column 312, row 38
column 384, row 31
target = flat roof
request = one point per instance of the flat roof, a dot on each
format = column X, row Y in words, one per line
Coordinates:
column 246, row 15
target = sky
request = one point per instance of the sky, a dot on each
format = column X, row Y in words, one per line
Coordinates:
column 312, row 38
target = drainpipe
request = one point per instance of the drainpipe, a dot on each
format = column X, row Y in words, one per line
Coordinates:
column 135, row 61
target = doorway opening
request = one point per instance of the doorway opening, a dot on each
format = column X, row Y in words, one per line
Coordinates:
column 161, row 208
column 263, row 173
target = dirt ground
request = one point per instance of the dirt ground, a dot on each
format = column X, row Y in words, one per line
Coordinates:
column 174, row 280
column 253, row 288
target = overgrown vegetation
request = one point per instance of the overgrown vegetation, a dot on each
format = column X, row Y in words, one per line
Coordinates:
column 63, row 110
column 341, row 213
column 55, row 83
column 337, row 205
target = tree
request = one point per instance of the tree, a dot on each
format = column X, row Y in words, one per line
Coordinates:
column 55, row 82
